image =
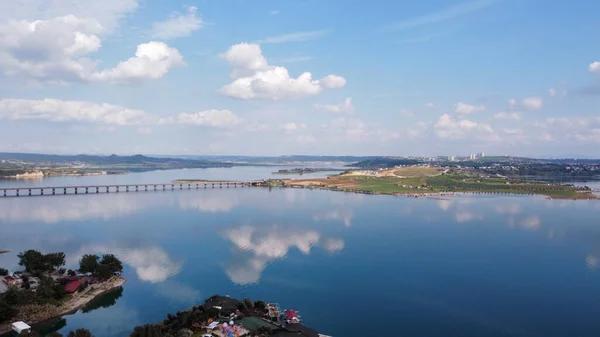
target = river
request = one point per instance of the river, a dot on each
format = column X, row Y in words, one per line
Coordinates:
column 351, row 264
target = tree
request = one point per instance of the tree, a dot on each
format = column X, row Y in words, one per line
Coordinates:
column 80, row 333
column 3, row 272
column 102, row 272
column 7, row 311
column 55, row 260
column 114, row 265
column 248, row 303
column 88, row 263
column 32, row 260
column 260, row 305
column 71, row 272
column 148, row 330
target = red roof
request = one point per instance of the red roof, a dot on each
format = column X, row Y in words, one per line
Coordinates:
column 72, row 286
column 289, row 314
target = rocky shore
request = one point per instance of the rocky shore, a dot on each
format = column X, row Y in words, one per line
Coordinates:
column 34, row 314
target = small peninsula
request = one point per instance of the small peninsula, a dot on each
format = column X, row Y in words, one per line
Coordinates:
column 45, row 289
column 307, row 170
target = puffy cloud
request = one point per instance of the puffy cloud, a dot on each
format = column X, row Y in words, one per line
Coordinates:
column 508, row 115
column 449, row 128
column 595, row 67
column 295, row 37
column 55, row 51
column 77, row 111
column 213, row 118
column 69, row 111
column 554, row 92
column 106, row 12
column 529, row 103
column 152, row 60
column 178, row 25
column 466, row 109
column 253, row 78
column 345, row 107
column 430, row 105
column 291, row 127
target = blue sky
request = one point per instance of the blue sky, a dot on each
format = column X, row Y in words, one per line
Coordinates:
column 436, row 77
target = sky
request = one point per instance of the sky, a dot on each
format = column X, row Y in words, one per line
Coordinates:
column 274, row 77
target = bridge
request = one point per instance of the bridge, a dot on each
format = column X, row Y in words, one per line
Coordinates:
column 97, row 189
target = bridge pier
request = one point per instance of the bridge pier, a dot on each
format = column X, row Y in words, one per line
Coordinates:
column 86, row 190
column 197, row 186
column 97, row 190
column 126, row 188
column 53, row 191
column 189, row 186
column 146, row 187
column 41, row 191
column 164, row 187
column 29, row 191
column 64, row 191
column 107, row 189
column 155, row 187
column 4, row 192
column 75, row 190
column 180, row 186
column 136, row 188
column 17, row 193
column 117, row 186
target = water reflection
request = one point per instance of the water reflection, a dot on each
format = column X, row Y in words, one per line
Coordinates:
column 342, row 215
column 107, row 300
column 151, row 263
column 256, row 247
column 177, row 292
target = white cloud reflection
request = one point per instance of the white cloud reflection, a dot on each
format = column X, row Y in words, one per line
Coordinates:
column 256, row 247
column 342, row 215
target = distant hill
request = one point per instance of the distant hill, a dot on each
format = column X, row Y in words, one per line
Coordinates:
column 137, row 160
column 280, row 159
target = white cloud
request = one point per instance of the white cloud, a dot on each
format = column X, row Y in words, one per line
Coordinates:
column 291, row 127
column 515, row 132
column 344, row 216
column 552, row 92
column 595, row 67
column 430, row 105
column 449, row 128
column 546, row 137
column 295, row 59
column 306, row 139
column 466, row 109
column 529, row 103
column 213, row 118
column 178, row 25
column 508, row 115
column 69, row 111
column 253, row 78
column 531, row 223
column 345, row 107
column 295, row 37
column 107, row 12
column 77, row 111
column 152, row 61
column 466, row 216
column 56, row 50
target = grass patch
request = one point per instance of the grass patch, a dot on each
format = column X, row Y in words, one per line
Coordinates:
column 417, row 171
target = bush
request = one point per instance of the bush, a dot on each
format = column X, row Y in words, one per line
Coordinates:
column 80, row 333
column 3, row 272
column 260, row 305
column 7, row 311
column 248, row 303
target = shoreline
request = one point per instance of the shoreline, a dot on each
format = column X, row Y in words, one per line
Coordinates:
column 71, row 306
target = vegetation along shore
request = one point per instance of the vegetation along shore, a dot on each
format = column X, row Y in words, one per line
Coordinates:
column 44, row 289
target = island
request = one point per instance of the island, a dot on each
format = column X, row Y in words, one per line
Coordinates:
column 45, row 290
column 307, row 170
column 426, row 181
column 226, row 316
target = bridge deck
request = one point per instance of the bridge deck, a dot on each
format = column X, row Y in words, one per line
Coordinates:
column 62, row 190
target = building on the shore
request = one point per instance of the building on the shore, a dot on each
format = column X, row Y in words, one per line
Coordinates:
column 294, row 330
column 291, row 316
column 20, row 328
column 12, row 281
column 72, row 286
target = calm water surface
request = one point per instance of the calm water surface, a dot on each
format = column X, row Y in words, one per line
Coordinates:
column 352, row 265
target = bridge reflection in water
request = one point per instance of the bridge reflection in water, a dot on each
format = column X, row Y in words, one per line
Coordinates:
column 95, row 189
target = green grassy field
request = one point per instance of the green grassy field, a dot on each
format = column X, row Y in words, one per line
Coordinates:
column 461, row 183
column 417, row 171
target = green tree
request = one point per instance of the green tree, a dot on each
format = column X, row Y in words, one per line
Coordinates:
column 88, row 263
column 148, row 330
column 260, row 305
column 12, row 296
column 103, row 272
column 248, row 303
column 32, row 260
column 113, row 263
column 55, row 260
column 7, row 311
column 3, row 272
column 80, row 333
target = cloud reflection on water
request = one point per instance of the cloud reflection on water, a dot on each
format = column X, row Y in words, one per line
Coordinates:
column 256, row 247
column 343, row 215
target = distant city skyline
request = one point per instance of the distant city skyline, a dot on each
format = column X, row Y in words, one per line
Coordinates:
column 230, row 77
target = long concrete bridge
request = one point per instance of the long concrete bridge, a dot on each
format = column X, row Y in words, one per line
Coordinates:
column 96, row 189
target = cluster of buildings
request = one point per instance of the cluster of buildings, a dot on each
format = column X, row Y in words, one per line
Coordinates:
column 471, row 156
